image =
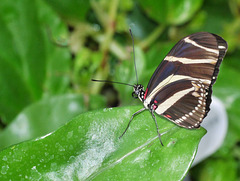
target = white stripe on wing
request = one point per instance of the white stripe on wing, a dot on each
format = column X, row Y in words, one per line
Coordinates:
column 187, row 40
column 189, row 60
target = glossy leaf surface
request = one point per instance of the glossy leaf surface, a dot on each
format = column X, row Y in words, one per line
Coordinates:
column 88, row 147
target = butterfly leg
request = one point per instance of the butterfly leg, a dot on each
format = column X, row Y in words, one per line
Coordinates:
column 141, row 110
column 159, row 135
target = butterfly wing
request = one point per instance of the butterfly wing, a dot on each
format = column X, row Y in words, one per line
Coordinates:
column 181, row 86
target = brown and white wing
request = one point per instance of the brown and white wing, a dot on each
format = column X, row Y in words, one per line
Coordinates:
column 181, row 86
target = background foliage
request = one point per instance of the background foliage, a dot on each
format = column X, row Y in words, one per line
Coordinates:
column 51, row 49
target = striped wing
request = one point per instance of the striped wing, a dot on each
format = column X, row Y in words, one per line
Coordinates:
column 181, row 86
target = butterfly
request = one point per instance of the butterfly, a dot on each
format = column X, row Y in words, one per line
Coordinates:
column 180, row 89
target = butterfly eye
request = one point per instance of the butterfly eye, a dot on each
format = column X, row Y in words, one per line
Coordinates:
column 134, row 95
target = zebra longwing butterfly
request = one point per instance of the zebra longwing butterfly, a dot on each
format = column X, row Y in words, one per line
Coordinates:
column 180, row 89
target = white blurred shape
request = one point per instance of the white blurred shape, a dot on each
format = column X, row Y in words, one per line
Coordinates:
column 216, row 124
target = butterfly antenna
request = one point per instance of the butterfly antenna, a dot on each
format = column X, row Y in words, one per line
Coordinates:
column 112, row 82
column 133, row 53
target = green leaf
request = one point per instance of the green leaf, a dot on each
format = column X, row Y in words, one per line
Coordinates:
column 139, row 23
column 22, row 59
column 58, row 55
column 58, row 69
column 29, row 62
column 174, row 12
column 216, row 170
column 216, row 20
column 88, row 147
column 70, row 9
column 46, row 116
column 22, row 22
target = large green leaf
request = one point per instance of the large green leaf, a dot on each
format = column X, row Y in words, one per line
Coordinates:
column 172, row 11
column 29, row 62
column 46, row 116
column 88, row 147
column 25, row 65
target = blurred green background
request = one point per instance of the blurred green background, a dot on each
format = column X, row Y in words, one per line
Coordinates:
column 50, row 50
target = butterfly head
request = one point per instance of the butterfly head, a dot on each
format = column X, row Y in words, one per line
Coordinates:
column 138, row 92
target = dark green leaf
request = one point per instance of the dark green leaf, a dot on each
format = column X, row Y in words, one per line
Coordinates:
column 216, row 170
column 88, row 147
column 29, row 62
column 25, row 66
column 58, row 55
column 139, row 23
column 70, row 9
column 217, row 18
column 172, row 11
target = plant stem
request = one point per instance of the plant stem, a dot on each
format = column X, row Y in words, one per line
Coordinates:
column 152, row 37
column 115, row 48
column 111, row 24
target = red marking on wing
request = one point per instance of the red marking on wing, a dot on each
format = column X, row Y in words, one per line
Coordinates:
column 168, row 116
column 155, row 101
column 145, row 94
